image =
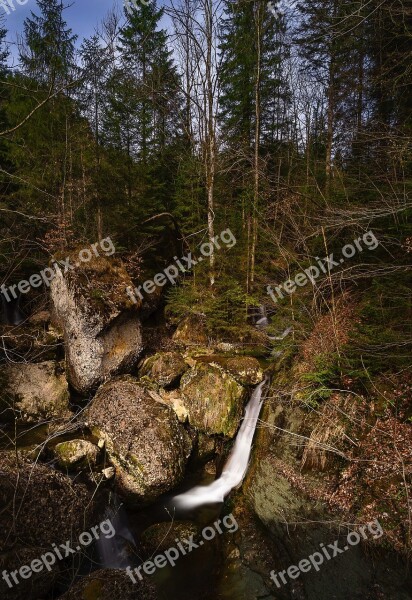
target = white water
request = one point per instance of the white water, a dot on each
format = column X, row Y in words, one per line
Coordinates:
column 236, row 466
column 114, row 552
column 263, row 321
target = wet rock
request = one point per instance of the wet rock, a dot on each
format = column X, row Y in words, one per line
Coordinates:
column 164, row 368
column 206, row 448
column 213, row 399
column 111, row 584
column 101, row 325
column 76, row 454
column 143, row 438
column 35, row 392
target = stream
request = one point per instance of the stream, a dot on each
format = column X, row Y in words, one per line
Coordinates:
column 198, row 503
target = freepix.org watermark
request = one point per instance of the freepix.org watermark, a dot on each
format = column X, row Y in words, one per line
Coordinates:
column 172, row 272
column 8, row 5
column 49, row 273
column 184, row 547
column 315, row 560
column 48, row 559
column 129, row 4
column 324, row 265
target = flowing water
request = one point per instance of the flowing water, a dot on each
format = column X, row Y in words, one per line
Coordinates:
column 236, row 466
column 114, row 552
column 11, row 313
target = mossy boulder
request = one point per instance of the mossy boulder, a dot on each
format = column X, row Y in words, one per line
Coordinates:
column 100, row 324
column 246, row 370
column 76, row 455
column 214, row 400
column 144, row 440
column 34, row 392
column 164, row 368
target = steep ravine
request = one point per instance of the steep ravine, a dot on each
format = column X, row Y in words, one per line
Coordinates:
column 158, row 441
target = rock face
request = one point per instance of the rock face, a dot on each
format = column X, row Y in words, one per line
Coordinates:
column 213, row 399
column 144, row 439
column 35, row 392
column 101, row 327
column 76, row 454
column 164, row 368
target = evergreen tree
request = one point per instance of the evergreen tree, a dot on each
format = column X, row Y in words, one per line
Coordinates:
column 146, row 58
column 48, row 51
column 4, row 98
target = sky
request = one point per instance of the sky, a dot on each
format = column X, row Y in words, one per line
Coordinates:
column 81, row 15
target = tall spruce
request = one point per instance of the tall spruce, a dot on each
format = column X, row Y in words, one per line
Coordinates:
column 48, row 48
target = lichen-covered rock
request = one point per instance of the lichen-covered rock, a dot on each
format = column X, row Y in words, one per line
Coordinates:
column 101, row 325
column 144, row 439
column 76, row 454
column 40, row 506
column 34, row 392
column 111, row 584
column 172, row 399
column 213, row 399
column 164, row 368
column 245, row 369
column 192, row 331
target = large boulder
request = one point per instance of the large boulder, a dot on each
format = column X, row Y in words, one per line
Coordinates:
column 213, row 399
column 100, row 323
column 164, row 368
column 40, row 506
column 34, row 392
column 144, row 440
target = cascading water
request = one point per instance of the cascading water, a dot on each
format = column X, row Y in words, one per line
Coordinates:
column 263, row 320
column 236, row 466
column 11, row 313
column 114, row 553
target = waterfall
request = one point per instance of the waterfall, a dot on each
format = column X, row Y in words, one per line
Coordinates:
column 11, row 313
column 114, row 553
column 236, row 466
column 263, row 320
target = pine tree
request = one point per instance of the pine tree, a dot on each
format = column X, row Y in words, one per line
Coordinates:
column 146, row 58
column 48, row 51
column 253, row 100
column 4, row 97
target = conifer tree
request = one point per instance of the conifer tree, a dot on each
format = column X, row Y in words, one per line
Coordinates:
column 48, row 49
